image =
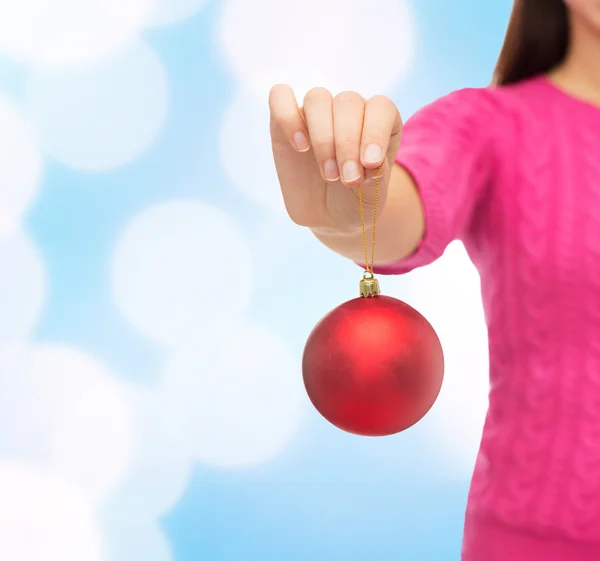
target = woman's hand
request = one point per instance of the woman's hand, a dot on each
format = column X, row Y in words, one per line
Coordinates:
column 326, row 148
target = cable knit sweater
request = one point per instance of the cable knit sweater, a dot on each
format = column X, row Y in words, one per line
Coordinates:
column 514, row 172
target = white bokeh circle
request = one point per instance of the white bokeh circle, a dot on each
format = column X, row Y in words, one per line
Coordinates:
column 20, row 165
column 62, row 409
column 181, row 269
column 161, row 466
column 168, row 12
column 8, row 222
column 27, row 435
column 249, row 165
column 136, row 542
column 101, row 117
column 23, row 285
column 241, row 395
column 94, row 438
column 278, row 241
column 448, row 294
column 272, row 41
column 68, row 33
column 45, row 517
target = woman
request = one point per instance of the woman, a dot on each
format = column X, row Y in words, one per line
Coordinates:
column 513, row 171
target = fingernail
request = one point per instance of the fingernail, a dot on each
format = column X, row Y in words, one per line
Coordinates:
column 301, row 142
column 330, row 170
column 351, row 171
column 372, row 154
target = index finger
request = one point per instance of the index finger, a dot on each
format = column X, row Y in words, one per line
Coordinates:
column 288, row 116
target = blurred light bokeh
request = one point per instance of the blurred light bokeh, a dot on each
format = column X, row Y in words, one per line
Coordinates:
column 154, row 300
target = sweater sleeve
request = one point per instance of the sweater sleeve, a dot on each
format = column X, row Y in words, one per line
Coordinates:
column 446, row 148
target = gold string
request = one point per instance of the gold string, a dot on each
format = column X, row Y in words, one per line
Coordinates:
column 369, row 268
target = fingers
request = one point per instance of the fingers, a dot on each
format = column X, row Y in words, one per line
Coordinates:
column 348, row 115
column 350, row 137
column 318, row 112
column 382, row 124
column 285, row 111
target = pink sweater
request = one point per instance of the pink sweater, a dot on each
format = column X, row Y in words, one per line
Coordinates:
column 514, row 172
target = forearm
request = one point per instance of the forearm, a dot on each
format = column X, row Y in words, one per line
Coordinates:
column 400, row 226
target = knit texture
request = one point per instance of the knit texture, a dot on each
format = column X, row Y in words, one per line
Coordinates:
column 514, row 172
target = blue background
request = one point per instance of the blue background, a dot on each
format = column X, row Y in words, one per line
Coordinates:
column 325, row 496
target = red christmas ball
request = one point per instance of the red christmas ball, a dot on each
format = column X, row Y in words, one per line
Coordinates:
column 373, row 366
